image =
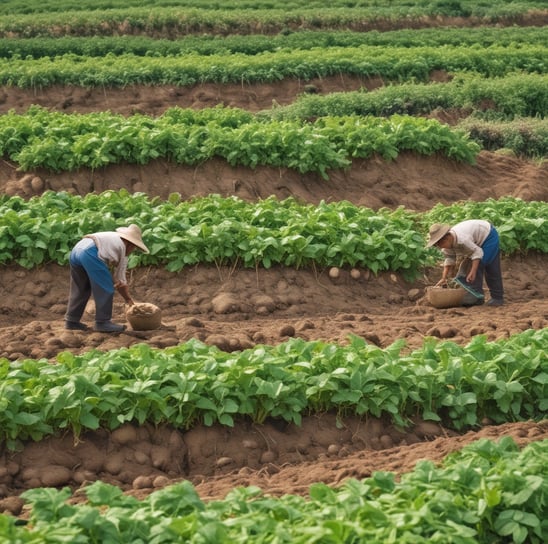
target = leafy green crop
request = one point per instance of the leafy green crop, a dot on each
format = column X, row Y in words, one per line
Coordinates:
column 213, row 229
column 24, row 18
column 62, row 142
column 397, row 64
column 194, row 383
column 266, row 233
column 487, row 492
column 515, row 95
column 210, row 44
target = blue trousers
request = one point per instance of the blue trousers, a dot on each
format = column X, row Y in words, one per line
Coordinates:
column 488, row 267
column 89, row 276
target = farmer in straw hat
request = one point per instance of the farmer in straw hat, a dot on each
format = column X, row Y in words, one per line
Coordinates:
column 477, row 242
column 90, row 263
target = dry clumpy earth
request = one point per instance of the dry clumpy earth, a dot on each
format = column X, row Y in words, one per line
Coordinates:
column 235, row 308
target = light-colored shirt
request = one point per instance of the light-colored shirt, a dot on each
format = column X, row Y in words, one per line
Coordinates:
column 469, row 237
column 112, row 250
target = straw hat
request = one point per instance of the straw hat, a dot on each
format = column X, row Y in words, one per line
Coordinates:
column 132, row 234
column 436, row 233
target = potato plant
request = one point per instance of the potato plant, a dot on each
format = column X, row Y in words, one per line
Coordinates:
column 61, row 142
column 218, row 230
column 485, row 493
column 99, row 46
column 394, row 64
column 194, row 383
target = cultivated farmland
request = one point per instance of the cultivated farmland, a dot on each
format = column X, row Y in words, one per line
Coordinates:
column 285, row 165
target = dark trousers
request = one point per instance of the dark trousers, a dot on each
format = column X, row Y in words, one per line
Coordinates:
column 489, row 267
column 89, row 276
column 493, row 277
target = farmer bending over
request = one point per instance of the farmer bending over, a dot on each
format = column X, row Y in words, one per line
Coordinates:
column 477, row 242
column 90, row 262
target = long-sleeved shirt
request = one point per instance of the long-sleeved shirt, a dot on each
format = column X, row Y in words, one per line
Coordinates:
column 112, row 250
column 469, row 237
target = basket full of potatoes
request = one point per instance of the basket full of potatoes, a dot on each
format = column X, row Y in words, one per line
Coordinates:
column 445, row 297
column 143, row 316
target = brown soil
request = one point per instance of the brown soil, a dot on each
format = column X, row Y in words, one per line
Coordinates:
column 235, row 308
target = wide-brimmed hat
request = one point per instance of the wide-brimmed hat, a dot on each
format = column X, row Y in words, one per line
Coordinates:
column 436, row 233
column 132, row 234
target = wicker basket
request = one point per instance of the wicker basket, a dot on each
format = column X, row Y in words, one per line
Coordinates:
column 445, row 297
column 144, row 316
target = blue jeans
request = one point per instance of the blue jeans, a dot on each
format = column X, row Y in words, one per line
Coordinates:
column 489, row 266
column 89, row 276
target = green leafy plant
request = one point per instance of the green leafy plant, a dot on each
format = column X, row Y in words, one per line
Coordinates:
column 505, row 381
column 486, row 492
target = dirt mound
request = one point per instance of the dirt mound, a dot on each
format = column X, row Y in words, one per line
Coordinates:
column 236, row 309
column 279, row 458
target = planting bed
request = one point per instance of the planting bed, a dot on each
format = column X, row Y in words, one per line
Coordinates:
column 236, row 308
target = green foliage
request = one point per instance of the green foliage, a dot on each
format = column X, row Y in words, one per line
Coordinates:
column 210, row 44
column 214, row 230
column 266, row 233
column 35, row 18
column 524, row 137
column 515, row 95
column 62, row 142
column 398, row 64
column 194, row 383
column 452, row 8
column 486, row 492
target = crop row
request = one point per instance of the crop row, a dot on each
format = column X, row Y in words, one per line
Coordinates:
column 509, row 96
column 485, row 493
column 244, row 17
column 393, row 63
column 97, row 46
column 65, row 142
column 462, row 8
column 266, row 233
column 527, row 137
column 194, row 383
column 507, row 112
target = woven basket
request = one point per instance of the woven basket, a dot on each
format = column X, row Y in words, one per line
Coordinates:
column 144, row 316
column 445, row 297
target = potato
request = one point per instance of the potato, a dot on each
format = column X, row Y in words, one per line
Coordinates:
column 161, row 457
column 160, row 481
column 142, row 482
column 224, row 461
column 126, row 434
column 55, row 476
column 143, row 309
column 114, row 462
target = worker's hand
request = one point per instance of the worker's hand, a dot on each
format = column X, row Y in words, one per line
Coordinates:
column 442, row 283
column 471, row 276
column 123, row 289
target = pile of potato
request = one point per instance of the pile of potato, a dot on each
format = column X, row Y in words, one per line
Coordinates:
column 144, row 316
